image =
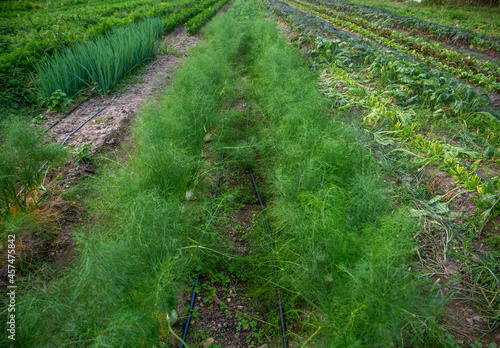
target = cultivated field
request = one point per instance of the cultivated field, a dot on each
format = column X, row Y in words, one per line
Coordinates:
column 299, row 173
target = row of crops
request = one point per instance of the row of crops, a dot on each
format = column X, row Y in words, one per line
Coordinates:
column 345, row 252
column 419, row 119
column 342, row 249
column 94, row 65
column 479, row 72
column 410, row 89
column 383, row 18
column 138, row 288
column 99, row 64
column 30, row 35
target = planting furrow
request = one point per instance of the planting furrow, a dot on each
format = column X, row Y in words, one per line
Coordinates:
column 272, row 250
column 220, row 310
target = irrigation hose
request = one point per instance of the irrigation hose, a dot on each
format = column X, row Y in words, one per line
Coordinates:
column 193, row 297
column 476, row 172
column 69, row 113
column 81, row 125
column 268, row 225
column 91, row 117
column 68, row 136
column 282, row 312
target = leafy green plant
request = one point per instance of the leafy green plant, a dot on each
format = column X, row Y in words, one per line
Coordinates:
column 39, row 119
column 195, row 24
column 81, row 153
column 177, row 19
column 245, row 323
column 58, row 101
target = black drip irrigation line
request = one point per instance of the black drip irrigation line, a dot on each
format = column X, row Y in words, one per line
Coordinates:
column 69, row 113
column 479, row 175
column 268, row 225
column 193, row 297
column 91, row 117
column 198, row 273
column 280, row 302
column 81, row 125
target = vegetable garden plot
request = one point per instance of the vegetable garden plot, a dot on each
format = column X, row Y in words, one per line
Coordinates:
column 482, row 74
column 346, row 243
column 420, row 133
column 482, row 20
column 99, row 65
column 30, row 38
column 384, row 18
column 409, row 86
column 410, row 81
column 342, row 282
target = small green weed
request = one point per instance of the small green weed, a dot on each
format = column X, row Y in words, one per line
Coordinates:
column 58, row 101
column 245, row 323
column 479, row 345
column 220, row 278
column 209, row 293
column 81, row 153
column 169, row 48
column 39, row 119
